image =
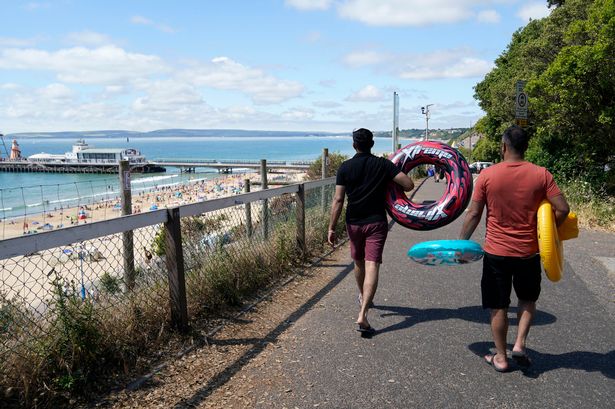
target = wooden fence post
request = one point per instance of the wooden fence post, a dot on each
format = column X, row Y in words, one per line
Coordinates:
column 175, row 268
column 127, row 236
column 325, row 171
column 301, row 244
column 265, row 216
column 246, row 189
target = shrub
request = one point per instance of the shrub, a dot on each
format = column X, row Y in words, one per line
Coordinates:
column 595, row 208
column 335, row 160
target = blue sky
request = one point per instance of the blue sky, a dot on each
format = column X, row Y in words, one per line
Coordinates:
column 312, row 65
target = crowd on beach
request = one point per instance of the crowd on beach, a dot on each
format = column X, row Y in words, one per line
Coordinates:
column 157, row 197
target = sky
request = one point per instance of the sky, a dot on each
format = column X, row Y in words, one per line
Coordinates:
column 300, row 65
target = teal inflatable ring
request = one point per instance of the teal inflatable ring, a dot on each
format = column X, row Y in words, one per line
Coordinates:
column 434, row 253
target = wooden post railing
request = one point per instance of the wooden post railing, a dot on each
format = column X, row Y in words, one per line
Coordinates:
column 301, row 244
column 127, row 236
column 175, row 268
column 265, row 214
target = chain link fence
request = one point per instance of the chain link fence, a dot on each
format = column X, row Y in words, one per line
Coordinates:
column 112, row 291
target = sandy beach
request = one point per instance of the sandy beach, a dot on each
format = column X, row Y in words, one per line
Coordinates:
column 28, row 277
column 153, row 199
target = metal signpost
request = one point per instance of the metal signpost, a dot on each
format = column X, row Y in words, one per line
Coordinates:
column 425, row 111
column 520, row 104
column 395, row 121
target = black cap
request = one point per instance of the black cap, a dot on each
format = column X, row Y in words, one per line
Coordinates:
column 362, row 136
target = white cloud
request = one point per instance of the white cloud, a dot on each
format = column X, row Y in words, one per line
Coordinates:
column 10, row 86
column 48, row 102
column 298, row 114
column 369, row 93
column 167, row 95
column 88, row 38
column 32, row 6
column 534, row 11
column 451, row 63
column 457, row 67
column 17, row 42
column 406, row 12
column 309, row 4
column 327, row 83
column 140, row 20
column 103, row 65
column 363, row 58
column 488, row 16
column 326, row 104
column 225, row 73
column 56, row 92
column 114, row 89
column 313, row 37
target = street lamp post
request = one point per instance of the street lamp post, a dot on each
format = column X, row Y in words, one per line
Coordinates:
column 425, row 111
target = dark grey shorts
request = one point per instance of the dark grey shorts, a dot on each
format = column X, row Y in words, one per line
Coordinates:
column 501, row 273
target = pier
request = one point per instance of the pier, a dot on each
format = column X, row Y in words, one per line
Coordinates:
column 155, row 166
column 227, row 165
column 20, row 166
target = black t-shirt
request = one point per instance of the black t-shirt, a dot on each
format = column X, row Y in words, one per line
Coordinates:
column 365, row 178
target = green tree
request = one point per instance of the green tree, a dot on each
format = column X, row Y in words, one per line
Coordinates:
column 568, row 62
column 335, row 160
column 575, row 98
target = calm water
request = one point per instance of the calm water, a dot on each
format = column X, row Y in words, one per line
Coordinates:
column 32, row 193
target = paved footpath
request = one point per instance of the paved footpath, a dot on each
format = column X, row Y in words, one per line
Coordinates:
column 432, row 334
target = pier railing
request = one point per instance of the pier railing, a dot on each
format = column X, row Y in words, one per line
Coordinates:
column 126, row 280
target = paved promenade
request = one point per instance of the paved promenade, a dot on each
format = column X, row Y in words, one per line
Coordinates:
column 432, row 334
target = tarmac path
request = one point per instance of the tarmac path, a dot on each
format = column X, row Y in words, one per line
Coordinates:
column 432, row 333
column 299, row 349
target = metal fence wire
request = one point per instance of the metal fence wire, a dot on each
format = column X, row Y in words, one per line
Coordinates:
column 110, row 296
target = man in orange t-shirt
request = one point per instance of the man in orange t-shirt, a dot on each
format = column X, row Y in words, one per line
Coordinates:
column 512, row 191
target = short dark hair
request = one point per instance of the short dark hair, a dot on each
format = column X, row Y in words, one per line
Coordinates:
column 363, row 139
column 516, row 138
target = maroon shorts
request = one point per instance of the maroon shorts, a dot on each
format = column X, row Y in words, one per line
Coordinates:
column 367, row 240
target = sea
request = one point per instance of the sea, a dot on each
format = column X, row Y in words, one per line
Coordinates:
column 26, row 194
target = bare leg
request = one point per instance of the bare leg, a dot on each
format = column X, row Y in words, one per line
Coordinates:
column 370, row 284
column 499, row 330
column 359, row 273
column 525, row 315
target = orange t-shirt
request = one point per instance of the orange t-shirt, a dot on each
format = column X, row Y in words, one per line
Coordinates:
column 512, row 192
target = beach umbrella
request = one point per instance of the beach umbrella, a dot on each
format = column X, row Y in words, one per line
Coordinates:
column 153, row 207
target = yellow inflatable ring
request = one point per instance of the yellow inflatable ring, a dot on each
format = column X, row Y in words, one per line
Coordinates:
column 551, row 250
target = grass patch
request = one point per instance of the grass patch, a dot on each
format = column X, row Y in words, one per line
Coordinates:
column 81, row 346
column 594, row 207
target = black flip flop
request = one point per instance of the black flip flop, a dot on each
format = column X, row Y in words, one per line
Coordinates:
column 521, row 358
column 366, row 331
column 491, row 362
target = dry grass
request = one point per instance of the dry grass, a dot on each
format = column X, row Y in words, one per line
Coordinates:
column 81, row 346
column 594, row 208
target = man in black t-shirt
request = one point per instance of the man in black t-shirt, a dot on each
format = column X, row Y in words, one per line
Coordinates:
column 364, row 179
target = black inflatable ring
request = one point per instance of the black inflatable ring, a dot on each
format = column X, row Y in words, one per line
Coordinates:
column 451, row 204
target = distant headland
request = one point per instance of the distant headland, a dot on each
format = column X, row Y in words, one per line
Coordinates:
column 166, row 133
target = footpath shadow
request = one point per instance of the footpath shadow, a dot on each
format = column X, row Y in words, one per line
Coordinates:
column 259, row 344
column 475, row 313
column 544, row 362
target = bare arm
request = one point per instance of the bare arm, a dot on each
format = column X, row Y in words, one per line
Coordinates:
column 336, row 210
column 472, row 219
column 561, row 208
column 404, row 181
